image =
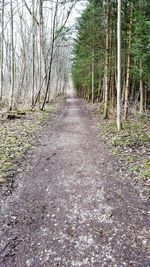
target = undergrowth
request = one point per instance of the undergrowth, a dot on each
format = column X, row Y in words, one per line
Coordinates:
column 131, row 144
column 18, row 135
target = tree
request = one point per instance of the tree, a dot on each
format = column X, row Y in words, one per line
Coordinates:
column 12, row 57
column 33, row 49
column 127, row 86
column 119, row 67
column 56, row 33
column 114, row 75
column 2, row 50
column 106, row 76
column 30, row 38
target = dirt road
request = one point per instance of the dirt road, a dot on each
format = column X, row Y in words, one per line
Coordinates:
column 72, row 206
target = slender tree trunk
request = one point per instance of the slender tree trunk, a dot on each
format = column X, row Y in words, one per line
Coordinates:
column 42, row 46
column 141, row 80
column 51, row 58
column 23, row 68
column 119, row 67
column 93, row 75
column 12, row 58
column 113, row 91
column 106, row 77
column 2, row 51
column 141, row 90
column 132, row 91
column 33, row 52
column 127, row 87
column 145, row 96
column 53, row 21
column 110, row 57
column 93, row 41
column 42, row 60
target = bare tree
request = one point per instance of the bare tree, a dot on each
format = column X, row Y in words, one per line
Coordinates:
column 12, row 57
column 33, row 50
column 2, row 50
column 30, row 49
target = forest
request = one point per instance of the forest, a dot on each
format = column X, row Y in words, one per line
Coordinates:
column 94, row 68
column 34, row 49
column 110, row 70
column 36, row 45
column 74, row 133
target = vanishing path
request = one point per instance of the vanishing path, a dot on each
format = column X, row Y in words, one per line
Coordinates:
column 71, row 207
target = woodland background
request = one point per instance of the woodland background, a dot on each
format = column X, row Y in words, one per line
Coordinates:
column 94, row 68
column 43, row 48
column 34, row 51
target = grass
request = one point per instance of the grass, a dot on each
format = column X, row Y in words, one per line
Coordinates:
column 17, row 136
column 130, row 144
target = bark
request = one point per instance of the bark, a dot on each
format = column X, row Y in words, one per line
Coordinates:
column 127, row 87
column 24, row 66
column 141, row 90
column 113, row 91
column 12, row 58
column 93, row 58
column 146, row 98
column 33, row 52
column 2, row 51
column 119, row 67
column 141, row 80
column 51, row 57
column 106, row 78
column 42, row 46
column 93, row 75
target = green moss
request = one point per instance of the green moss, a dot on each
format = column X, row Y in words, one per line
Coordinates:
column 146, row 174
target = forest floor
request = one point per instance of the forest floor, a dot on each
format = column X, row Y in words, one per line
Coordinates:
column 131, row 146
column 18, row 132
column 72, row 203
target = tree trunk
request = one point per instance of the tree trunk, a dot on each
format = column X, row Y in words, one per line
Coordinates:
column 2, row 51
column 141, row 90
column 106, row 77
column 42, row 46
column 33, row 53
column 127, row 87
column 141, row 80
column 145, row 96
column 93, row 54
column 119, row 67
column 12, row 57
column 93, row 75
column 51, row 57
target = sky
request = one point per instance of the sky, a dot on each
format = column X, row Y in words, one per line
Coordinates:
column 76, row 13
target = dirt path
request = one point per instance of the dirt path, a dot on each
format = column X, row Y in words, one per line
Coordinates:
column 71, row 207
